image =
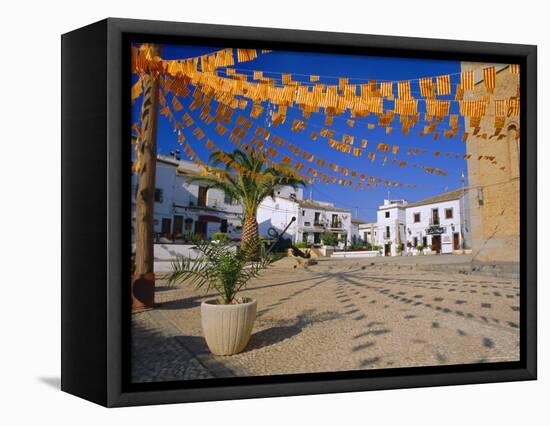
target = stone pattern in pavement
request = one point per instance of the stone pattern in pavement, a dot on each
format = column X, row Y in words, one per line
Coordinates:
column 158, row 356
column 344, row 314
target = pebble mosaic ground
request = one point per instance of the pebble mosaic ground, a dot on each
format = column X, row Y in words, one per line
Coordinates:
column 345, row 314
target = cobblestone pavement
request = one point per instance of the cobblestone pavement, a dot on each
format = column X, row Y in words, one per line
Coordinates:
column 344, row 314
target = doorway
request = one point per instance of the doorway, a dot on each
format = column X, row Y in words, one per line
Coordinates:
column 436, row 243
column 165, row 226
column 387, row 249
column 456, row 241
column 200, row 228
column 178, row 224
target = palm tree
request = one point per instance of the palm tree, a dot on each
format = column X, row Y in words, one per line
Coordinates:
column 246, row 177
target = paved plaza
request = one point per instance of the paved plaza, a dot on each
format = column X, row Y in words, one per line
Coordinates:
column 344, row 314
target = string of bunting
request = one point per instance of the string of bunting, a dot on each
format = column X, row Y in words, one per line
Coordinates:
column 200, row 72
column 334, row 99
column 345, row 145
column 348, row 140
column 257, row 145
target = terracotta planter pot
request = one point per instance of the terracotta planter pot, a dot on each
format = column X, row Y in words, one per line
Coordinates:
column 227, row 328
column 143, row 292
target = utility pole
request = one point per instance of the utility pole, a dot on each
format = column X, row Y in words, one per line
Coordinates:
column 143, row 280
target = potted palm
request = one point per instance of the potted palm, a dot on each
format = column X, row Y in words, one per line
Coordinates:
column 227, row 320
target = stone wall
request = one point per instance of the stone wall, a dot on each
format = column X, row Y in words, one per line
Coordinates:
column 494, row 188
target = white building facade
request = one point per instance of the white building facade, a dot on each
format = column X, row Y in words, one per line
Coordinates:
column 368, row 233
column 438, row 224
column 184, row 208
column 313, row 218
column 390, row 226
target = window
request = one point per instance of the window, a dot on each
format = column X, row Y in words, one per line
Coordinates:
column 449, row 213
column 387, row 214
column 202, row 196
column 188, row 224
column 388, row 232
column 424, row 241
column 158, row 195
column 223, row 225
column 227, row 199
column 435, row 216
column 415, row 241
column 317, row 217
column 416, row 218
column 303, row 213
column 305, row 237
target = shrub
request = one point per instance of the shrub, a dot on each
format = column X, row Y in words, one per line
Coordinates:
column 301, row 245
column 419, row 247
column 219, row 236
column 329, row 239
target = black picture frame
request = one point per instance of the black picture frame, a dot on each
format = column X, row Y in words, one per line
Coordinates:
column 95, row 181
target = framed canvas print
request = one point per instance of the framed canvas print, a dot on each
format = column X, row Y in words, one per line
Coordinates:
column 253, row 212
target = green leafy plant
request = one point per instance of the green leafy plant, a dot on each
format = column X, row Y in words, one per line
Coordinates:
column 301, row 245
column 220, row 267
column 219, row 236
column 419, row 247
column 329, row 238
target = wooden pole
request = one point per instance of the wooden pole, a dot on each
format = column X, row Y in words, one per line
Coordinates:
column 143, row 281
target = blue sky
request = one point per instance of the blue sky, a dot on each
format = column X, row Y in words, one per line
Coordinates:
column 362, row 68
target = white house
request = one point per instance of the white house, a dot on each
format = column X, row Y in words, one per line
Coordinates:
column 439, row 222
column 189, row 208
column 390, row 226
column 316, row 217
column 356, row 235
column 183, row 208
column 313, row 218
column 368, row 233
